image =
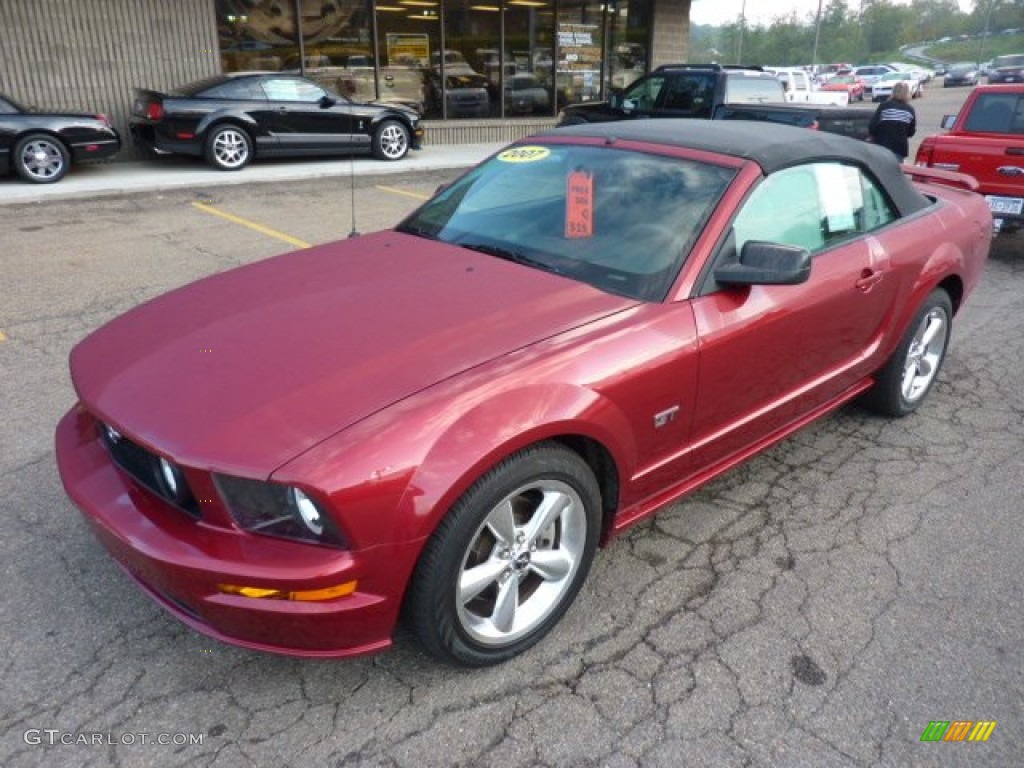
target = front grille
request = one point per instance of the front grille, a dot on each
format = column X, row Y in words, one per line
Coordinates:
column 144, row 466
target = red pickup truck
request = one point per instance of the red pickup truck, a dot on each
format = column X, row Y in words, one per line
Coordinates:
column 986, row 141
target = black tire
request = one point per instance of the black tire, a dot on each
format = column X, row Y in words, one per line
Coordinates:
column 228, row 147
column 41, row 159
column 391, row 141
column 908, row 376
column 526, row 576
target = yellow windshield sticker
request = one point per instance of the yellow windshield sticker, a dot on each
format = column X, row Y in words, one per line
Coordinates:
column 524, row 154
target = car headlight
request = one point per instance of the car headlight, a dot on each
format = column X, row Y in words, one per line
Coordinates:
column 277, row 510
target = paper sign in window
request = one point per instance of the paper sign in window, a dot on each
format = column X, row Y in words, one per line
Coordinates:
column 579, row 205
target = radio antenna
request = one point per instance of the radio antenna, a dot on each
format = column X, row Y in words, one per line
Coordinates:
column 352, row 193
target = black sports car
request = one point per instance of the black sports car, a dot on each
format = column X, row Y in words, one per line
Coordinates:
column 231, row 118
column 41, row 146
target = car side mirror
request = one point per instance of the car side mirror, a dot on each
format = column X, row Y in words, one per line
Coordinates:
column 764, row 263
column 947, row 121
column 327, row 101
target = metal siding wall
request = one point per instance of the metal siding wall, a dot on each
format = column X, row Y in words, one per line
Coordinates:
column 88, row 55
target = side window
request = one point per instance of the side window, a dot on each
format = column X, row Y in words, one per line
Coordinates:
column 812, row 206
column 242, row 90
column 997, row 113
column 291, row 89
column 644, row 93
column 690, row 95
column 783, row 209
column 877, row 210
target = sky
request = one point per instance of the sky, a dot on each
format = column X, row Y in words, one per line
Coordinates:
column 720, row 12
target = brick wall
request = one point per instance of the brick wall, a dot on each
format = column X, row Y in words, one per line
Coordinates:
column 671, row 28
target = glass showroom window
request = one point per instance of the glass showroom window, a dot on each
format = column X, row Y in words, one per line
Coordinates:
column 257, row 34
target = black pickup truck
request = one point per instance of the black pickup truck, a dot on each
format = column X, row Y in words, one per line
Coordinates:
column 716, row 92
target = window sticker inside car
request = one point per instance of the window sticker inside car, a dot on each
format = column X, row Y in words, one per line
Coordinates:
column 524, row 154
column 579, row 205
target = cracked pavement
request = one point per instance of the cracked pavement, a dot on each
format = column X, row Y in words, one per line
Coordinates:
column 818, row 606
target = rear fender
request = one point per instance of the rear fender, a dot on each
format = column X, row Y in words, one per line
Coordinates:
column 947, row 267
column 240, row 119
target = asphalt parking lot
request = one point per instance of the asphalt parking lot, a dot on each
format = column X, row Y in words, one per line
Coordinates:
column 819, row 606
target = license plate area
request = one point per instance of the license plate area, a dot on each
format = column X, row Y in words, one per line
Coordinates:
column 1006, row 205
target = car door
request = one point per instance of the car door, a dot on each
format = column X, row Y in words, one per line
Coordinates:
column 304, row 117
column 773, row 355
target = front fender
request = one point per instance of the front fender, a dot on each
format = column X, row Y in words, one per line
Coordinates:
column 392, row 477
column 497, row 428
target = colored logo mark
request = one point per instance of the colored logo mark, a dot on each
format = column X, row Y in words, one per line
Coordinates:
column 958, row 730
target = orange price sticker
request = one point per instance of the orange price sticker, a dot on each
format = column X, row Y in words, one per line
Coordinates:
column 579, row 205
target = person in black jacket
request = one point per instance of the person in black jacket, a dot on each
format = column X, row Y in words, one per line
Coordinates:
column 894, row 122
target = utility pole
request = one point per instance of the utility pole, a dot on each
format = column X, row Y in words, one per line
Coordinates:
column 984, row 34
column 743, row 24
column 817, row 32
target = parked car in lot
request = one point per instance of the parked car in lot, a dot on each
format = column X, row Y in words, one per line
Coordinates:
column 41, row 146
column 869, row 74
column 594, row 322
column 465, row 95
column 230, row 119
column 524, row 93
column 962, row 73
column 1007, row 69
column 986, row 141
column 882, row 87
column 848, row 84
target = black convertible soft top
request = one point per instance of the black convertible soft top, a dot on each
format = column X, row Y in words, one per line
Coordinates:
column 772, row 146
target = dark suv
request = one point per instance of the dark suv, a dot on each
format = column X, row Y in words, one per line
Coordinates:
column 1007, row 69
column 680, row 90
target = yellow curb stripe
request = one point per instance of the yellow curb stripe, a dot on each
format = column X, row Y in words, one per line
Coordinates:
column 252, row 225
column 405, row 192
column 3, row 337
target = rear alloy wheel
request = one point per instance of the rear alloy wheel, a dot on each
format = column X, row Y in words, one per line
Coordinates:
column 228, row 148
column 505, row 564
column 41, row 159
column 909, row 374
column 391, row 141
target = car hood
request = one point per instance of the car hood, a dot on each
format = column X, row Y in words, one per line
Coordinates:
column 244, row 370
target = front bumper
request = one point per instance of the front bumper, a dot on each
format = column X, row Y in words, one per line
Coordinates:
column 180, row 562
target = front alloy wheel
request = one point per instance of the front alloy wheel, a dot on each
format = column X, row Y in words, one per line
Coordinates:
column 391, row 142
column 505, row 564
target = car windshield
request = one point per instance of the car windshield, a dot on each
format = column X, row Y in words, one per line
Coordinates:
column 621, row 221
column 842, row 80
column 1013, row 60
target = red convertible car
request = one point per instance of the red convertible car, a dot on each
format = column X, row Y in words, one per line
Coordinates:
column 444, row 420
column 852, row 86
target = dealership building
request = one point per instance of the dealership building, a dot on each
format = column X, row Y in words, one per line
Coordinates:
column 478, row 70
